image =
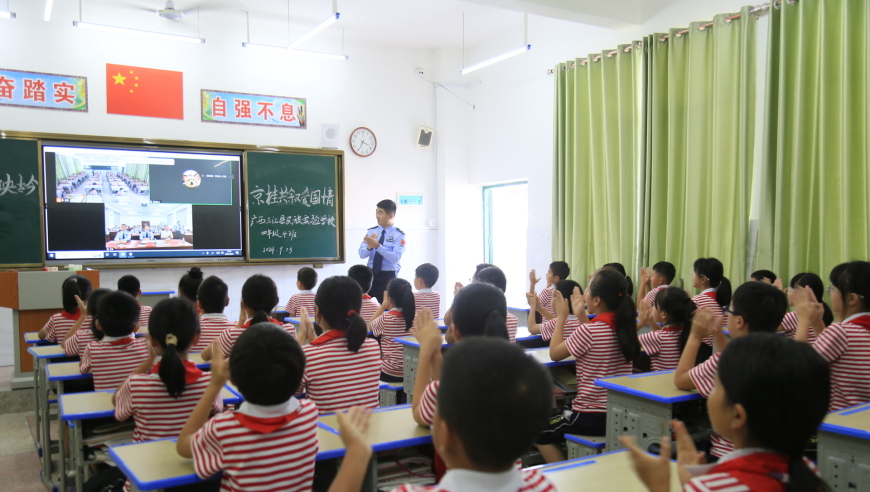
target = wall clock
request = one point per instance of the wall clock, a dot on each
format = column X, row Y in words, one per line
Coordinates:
column 363, row 142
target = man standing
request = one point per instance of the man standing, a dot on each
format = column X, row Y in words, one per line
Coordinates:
column 383, row 246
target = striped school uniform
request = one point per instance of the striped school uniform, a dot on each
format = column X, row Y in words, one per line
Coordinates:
column 790, row 325
column 75, row 345
column 708, row 299
column 144, row 315
column 389, row 326
column 704, row 378
column 58, row 325
column 598, row 355
column 369, row 308
column 211, row 326
column 545, row 299
column 512, row 324
column 427, row 298
column 429, row 402
column 304, row 299
column 229, row 336
column 745, row 470
column 650, row 296
column 846, row 346
column 464, row 480
column 549, row 326
column 112, row 359
column 336, row 378
column 663, row 347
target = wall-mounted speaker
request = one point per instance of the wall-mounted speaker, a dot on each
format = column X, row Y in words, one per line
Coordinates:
column 329, row 136
column 424, row 137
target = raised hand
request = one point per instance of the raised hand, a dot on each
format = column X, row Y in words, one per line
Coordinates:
column 653, row 471
column 578, row 303
column 705, row 322
column 533, row 280
column 560, row 305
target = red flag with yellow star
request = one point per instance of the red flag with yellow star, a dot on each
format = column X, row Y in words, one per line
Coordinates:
column 141, row 91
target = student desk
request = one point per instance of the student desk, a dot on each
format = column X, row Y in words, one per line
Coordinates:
column 151, row 298
column 32, row 337
column 196, row 358
column 641, row 405
column 844, row 449
column 410, row 359
column 42, row 354
column 609, row 471
column 296, row 320
column 522, row 314
column 525, row 338
column 542, row 355
column 76, row 407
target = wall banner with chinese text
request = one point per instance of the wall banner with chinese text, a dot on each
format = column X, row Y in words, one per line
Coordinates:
column 253, row 109
column 43, row 90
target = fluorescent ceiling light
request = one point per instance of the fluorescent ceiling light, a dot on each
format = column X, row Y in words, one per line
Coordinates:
column 333, row 56
column 265, row 47
column 323, row 25
column 152, row 34
column 47, row 14
column 6, row 15
column 495, row 59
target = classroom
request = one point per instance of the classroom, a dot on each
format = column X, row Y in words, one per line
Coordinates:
column 695, row 144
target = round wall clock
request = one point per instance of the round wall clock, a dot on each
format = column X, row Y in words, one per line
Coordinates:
column 363, row 142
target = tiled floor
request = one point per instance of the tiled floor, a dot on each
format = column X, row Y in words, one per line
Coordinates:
column 19, row 462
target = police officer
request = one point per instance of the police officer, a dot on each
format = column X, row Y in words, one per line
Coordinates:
column 383, row 246
column 123, row 234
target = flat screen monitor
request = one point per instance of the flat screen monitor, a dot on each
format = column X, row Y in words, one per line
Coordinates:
column 127, row 205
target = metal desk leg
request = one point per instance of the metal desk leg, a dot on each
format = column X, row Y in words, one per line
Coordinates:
column 61, row 431
column 36, row 400
column 78, row 449
column 45, row 421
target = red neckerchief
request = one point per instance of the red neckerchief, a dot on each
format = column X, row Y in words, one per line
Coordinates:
column 264, row 426
column 328, row 337
column 862, row 321
column 366, row 297
column 395, row 313
column 123, row 341
column 712, row 295
column 191, row 372
column 73, row 316
column 271, row 320
column 760, row 465
column 608, row 318
column 673, row 328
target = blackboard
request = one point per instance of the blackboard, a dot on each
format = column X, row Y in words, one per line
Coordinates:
column 294, row 207
column 20, row 208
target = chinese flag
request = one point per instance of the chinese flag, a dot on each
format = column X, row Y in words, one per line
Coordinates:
column 141, row 91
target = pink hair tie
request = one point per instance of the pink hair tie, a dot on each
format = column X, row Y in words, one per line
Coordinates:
column 351, row 313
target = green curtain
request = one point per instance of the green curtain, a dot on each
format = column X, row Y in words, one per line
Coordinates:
column 815, row 207
column 700, row 127
column 598, row 127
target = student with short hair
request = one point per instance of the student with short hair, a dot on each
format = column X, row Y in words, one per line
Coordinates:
column 757, row 307
column 270, row 442
column 59, row 324
column 77, row 338
column 115, row 357
column 654, row 279
column 393, row 320
column 448, row 316
column 763, row 276
column 424, row 278
column 708, row 274
column 481, row 453
column 189, row 283
column 558, row 270
column 790, row 321
column 306, row 280
column 130, row 284
column 364, row 277
column 343, row 366
column 769, row 397
column 495, row 276
column 211, row 299
column 671, row 315
column 603, row 347
column 546, row 329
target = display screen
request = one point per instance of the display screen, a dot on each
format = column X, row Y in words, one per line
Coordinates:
column 127, row 205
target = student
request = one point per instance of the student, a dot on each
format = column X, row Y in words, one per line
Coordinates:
column 342, row 366
column 672, row 309
column 559, row 270
column 653, row 280
column 306, row 280
column 448, row 316
column 481, row 453
column 393, row 319
column 115, row 357
column 270, row 442
column 846, row 344
column 59, row 324
column 189, row 283
column 790, row 321
column 495, row 276
column 259, row 297
column 77, row 339
column 769, row 398
column 160, row 396
column 604, row 347
column 130, row 285
column 478, row 311
column 383, row 248
column 546, row 329
column 424, row 278
column 621, row 269
column 364, row 276
column 211, row 299
column 708, row 275
column 763, row 276
column 757, row 307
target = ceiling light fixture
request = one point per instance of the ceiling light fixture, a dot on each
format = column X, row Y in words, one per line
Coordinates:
column 504, row 56
column 48, row 6
column 323, row 25
column 6, row 14
column 264, row 47
column 151, row 34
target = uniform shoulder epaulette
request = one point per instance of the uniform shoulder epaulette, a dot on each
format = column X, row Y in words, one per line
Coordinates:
column 375, row 227
column 400, row 231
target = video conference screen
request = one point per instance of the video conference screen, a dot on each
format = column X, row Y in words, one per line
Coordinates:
column 122, row 205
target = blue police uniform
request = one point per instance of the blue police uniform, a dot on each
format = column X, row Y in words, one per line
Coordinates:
column 385, row 259
column 146, row 235
column 123, row 236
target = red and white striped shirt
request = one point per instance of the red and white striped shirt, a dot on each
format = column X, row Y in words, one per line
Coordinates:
column 389, row 326
column 427, row 298
column 211, row 325
column 651, row 295
column 75, row 345
column 144, row 314
column 112, row 359
column 663, row 347
column 545, row 299
column 514, row 480
column 549, row 326
column 158, row 415
column 704, row 378
column 598, row 355
column 229, row 336
column 790, row 324
column 304, row 299
column 59, row 324
column 336, row 378
column 369, row 308
column 846, row 346
column 512, row 324
column 707, row 299
column 260, row 448
column 745, row 470
column 429, row 402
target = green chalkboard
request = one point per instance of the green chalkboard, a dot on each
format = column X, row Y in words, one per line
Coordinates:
column 294, row 206
column 20, row 222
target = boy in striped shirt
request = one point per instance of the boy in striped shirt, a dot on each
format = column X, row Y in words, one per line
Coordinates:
column 130, row 285
column 653, row 280
column 364, row 276
column 495, row 276
column 78, row 339
column 559, row 270
column 211, row 299
column 118, row 354
column 306, row 279
column 424, row 278
column 546, row 329
column 756, row 307
column 479, row 453
column 270, row 442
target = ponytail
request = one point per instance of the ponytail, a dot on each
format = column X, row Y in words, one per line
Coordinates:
column 713, row 269
column 356, row 331
column 174, row 324
column 723, row 292
column 74, row 285
column 260, row 317
column 495, row 326
column 260, row 295
column 611, row 286
column 680, row 309
column 480, row 310
column 399, row 290
column 814, row 282
column 172, row 368
column 629, row 289
column 802, row 479
column 339, row 301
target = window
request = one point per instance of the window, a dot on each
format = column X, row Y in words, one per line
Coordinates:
column 505, row 220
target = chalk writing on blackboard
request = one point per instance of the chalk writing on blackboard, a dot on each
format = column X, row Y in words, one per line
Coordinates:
column 10, row 186
column 321, row 220
column 274, row 195
column 279, row 234
column 277, row 249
